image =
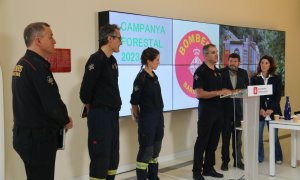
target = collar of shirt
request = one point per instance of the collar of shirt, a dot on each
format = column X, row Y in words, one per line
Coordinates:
column 235, row 71
column 265, row 78
column 209, row 67
column 149, row 76
column 232, row 72
column 34, row 56
column 110, row 59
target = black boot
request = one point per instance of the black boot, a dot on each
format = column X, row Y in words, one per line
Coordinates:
column 153, row 171
column 212, row 172
column 224, row 167
column 239, row 165
column 141, row 174
column 110, row 177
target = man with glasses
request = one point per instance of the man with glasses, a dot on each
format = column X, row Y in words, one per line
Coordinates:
column 208, row 88
column 100, row 93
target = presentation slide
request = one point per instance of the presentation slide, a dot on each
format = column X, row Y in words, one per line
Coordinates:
column 127, row 75
column 188, row 41
column 164, row 73
column 138, row 33
column 180, row 43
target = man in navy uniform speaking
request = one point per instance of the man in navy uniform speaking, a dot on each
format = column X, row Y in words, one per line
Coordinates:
column 208, row 88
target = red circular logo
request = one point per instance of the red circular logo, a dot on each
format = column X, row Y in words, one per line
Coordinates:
column 188, row 58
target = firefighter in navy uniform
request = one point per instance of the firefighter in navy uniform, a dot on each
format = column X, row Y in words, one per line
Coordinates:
column 208, row 87
column 100, row 93
column 38, row 109
column 147, row 107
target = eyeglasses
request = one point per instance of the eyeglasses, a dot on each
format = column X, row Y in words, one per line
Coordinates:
column 119, row 37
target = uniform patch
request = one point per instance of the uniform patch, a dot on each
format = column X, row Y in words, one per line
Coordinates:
column 217, row 74
column 91, row 67
column 114, row 66
column 17, row 71
column 196, row 77
column 136, row 88
column 50, row 80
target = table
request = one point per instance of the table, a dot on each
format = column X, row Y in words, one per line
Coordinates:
column 283, row 124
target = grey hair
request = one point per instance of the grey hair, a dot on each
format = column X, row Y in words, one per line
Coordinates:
column 33, row 30
column 106, row 31
column 206, row 47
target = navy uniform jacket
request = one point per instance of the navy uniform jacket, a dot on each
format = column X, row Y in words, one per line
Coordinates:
column 146, row 92
column 36, row 99
column 270, row 101
column 242, row 82
column 99, row 86
column 208, row 80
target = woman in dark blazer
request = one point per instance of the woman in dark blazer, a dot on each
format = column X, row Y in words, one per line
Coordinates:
column 269, row 104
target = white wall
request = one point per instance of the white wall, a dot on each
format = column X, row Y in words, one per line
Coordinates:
column 2, row 144
column 74, row 24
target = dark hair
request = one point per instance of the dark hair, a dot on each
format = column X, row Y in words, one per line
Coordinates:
column 32, row 30
column 206, row 47
column 148, row 54
column 271, row 60
column 235, row 55
column 105, row 31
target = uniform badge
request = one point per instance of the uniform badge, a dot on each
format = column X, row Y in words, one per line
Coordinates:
column 114, row 66
column 196, row 77
column 50, row 80
column 17, row 71
column 91, row 67
column 136, row 88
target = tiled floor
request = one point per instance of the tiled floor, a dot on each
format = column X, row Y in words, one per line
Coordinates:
column 181, row 169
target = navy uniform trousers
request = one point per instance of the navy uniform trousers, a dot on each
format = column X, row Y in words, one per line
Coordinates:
column 210, row 122
column 103, row 143
column 150, row 135
column 37, row 148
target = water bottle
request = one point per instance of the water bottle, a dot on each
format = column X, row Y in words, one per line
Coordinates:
column 287, row 109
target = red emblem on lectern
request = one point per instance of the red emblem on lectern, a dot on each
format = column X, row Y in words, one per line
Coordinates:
column 255, row 91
